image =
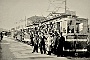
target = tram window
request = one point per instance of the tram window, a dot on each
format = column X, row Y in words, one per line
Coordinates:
column 72, row 31
column 80, row 27
column 77, row 28
column 70, row 27
column 58, row 26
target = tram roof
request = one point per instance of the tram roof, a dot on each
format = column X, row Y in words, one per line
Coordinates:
column 56, row 16
column 82, row 19
column 59, row 15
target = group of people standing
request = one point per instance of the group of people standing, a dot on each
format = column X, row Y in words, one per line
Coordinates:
column 51, row 43
column 38, row 41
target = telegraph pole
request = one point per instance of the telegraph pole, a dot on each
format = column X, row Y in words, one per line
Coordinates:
column 65, row 6
column 25, row 21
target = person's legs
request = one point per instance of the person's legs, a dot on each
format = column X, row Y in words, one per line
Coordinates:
column 34, row 49
column 37, row 48
column 55, row 50
column 44, row 49
column 1, row 37
column 41, row 49
column 59, row 51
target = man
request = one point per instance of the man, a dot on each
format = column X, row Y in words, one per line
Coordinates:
column 42, row 44
column 55, row 42
column 31, row 38
column 49, row 42
column 60, row 46
column 36, row 41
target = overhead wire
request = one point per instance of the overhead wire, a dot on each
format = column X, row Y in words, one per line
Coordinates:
column 55, row 7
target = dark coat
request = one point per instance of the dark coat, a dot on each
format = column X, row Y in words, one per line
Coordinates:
column 60, row 46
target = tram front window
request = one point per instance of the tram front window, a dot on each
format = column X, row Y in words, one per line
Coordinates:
column 70, row 26
column 79, row 27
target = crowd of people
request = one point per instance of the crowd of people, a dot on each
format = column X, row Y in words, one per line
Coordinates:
column 48, row 43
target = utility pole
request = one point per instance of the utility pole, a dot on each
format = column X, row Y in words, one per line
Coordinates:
column 25, row 21
column 65, row 6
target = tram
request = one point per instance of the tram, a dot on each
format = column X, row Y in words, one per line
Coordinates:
column 75, row 31
column 18, row 35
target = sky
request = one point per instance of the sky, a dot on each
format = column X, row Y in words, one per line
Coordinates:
column 12, row 11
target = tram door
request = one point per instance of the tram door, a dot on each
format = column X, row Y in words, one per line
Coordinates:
column 58, row 26
column 63, row 28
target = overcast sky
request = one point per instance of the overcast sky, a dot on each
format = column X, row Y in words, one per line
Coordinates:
column 12, row 11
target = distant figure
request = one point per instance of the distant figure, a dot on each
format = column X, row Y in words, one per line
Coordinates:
column 21, row 35
column 1, row 35
column 60, row 46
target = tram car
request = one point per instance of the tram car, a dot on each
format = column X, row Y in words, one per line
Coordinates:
column 19, row 35
column 23, row 35
column 26, row 36
column 76, row 35
column 75, row 31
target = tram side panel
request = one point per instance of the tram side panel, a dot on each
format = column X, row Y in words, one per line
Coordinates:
column 70, row 29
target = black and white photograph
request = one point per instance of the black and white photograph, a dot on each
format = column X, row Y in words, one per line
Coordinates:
column 44, row 29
